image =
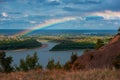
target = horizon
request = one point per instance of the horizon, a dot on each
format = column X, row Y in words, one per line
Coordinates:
column 62, row 29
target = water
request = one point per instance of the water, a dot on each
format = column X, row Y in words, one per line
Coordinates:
column 44, row 54
column 59, row 32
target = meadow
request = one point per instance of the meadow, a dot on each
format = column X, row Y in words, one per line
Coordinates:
column 95, row 74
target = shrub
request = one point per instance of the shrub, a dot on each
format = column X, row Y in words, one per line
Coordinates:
column 86, row 50
column 99, row 43
column 51, row 64
column 31, row 62
column 73, row 58
column 68, row 65
column 116, row 62
column 23, row 65
column 5, row 62
column 78, row 65
column 58, row 65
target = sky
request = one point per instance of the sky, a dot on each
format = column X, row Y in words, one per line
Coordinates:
column 88, row 14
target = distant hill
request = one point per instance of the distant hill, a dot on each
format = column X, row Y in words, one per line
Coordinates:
column 101, row 58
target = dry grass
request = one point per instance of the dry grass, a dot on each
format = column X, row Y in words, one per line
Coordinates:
column 97, row 74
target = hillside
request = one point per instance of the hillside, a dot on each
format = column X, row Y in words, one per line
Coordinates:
column 101, row 58
column 104, row 74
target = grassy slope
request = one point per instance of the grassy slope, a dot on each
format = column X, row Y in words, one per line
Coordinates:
column 98, row 74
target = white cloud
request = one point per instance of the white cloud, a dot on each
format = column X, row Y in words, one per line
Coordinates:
column 32, row 22
column 4, row 14
column 108, row 15
column 53, row 0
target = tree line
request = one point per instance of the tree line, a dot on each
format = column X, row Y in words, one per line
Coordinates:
column 31, row 62
column 19, row 44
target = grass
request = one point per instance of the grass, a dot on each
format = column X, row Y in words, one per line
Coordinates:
column 95, row 74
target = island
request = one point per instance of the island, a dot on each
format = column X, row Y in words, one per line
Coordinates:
column 14, row 44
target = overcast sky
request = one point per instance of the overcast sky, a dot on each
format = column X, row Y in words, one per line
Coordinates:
column 92, row 14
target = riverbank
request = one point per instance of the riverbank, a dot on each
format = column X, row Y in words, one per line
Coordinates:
column 16, row 44
column 42, row 46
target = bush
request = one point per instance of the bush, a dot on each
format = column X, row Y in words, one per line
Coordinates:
column 58, row 65
column 52, row 65
column 116, row 62
column 68, row 65
column 78, row 65
column 73, row 58
column 5, row 62
column 31, row 62
column 99, row 44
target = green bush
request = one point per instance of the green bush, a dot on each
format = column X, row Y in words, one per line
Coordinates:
column 5, row 62
column 68, row 65
column 73, row 58
column 31, row 62
column 99, row 44
column 52, row 65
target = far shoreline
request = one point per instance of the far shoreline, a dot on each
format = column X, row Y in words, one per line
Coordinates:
column 43, row 46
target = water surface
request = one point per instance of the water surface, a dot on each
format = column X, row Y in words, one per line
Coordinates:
column 44, row 54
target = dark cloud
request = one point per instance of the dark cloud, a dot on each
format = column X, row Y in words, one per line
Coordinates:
column 113, row 5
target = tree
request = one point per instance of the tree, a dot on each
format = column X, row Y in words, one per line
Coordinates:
column 68, row 65
column 51, row 64
column 5, row 62
column 99, row 43
column 73, row 58
column 58, row 65
column 23, row 66
column 31, row 62
column 119, row 30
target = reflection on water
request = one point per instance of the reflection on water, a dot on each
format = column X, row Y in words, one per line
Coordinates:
column 44, row 54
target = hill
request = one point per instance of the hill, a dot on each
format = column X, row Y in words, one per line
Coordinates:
column 101, row 58
column 104, row 74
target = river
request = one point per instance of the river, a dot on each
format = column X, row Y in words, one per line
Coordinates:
column 44, row 54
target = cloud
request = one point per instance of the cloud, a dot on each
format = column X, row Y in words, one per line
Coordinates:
column 113, row 5
column 82, row 1
column 70, row 9
column 53, row 2
column 32, row 22
column 94, row 18
column 108, row 15
column 4, row 14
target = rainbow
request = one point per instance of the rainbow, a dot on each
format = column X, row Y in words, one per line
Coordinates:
column 45, row 24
